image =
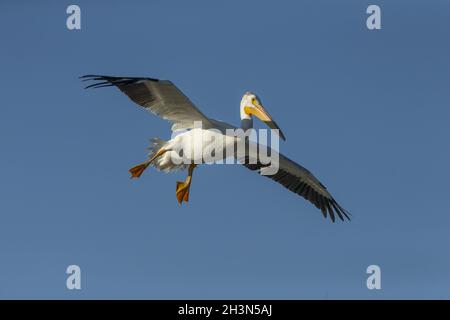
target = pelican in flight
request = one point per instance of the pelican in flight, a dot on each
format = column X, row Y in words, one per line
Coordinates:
column 164, row 99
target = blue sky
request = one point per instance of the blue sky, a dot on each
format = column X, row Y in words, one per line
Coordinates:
column 366, row 111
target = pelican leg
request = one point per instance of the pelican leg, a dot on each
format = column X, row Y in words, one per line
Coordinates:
column 136, row 171
column 183, row 187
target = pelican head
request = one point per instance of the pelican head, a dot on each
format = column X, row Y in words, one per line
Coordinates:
column 251, row 105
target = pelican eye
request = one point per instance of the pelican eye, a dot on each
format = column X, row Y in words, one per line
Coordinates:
column 255, row 102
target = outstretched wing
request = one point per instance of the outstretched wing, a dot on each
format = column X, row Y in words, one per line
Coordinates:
column 160, row 97
column 302, row 182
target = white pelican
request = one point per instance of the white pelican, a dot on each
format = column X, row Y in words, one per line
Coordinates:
column 164, row 99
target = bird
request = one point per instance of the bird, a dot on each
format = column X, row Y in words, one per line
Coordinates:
column 164, row 99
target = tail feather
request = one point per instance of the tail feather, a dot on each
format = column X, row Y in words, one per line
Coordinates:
column 164, row 162
column 156, row 145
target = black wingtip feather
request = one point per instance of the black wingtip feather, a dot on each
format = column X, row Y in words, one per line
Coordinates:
column 345, row 212
column 108, row 81
column 330, row 211
column 336, row 209
column 340, row 211
column 323, row 206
